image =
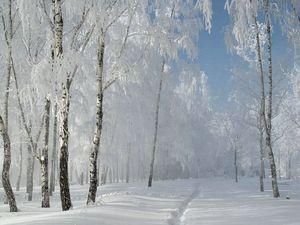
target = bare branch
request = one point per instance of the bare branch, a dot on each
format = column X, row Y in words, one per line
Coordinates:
column 87, row 38
column 114, row 20
column 77, row 28
column 26, row 127
column 109, row 83
column 43, row 6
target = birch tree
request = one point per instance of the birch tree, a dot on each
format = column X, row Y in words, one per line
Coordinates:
column 168, row 47
column 44, row 158
column 268, row 120
column 99, row 119
column 6, row 166
column 245, row 15
column 156, row 126
column 66, row 86
column 7, row 21
column 8, row 34
column 57, row 54
column 21, row 160
column 102, row 85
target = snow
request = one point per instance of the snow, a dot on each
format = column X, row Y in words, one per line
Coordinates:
column 181, row 202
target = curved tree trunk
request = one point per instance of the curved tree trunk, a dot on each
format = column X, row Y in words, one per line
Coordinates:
column 6, row 167
column 8, row 33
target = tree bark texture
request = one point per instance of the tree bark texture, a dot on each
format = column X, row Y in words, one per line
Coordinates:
column 98, row 128
column 269, row 108
column 44, row 158
column 54, row 153
column 58, row 29
column 6, row 167
column 64, row 153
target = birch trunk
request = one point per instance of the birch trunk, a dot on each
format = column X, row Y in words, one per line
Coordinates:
column 58, row 29
column 8, row 31
column 64, row 153
column 235, row 165
column 269, row 112
column 279, row 165
column 65, row 105
column 44, row 158
column 18, row 184
column 98, row 129
column 262, row 164
column 262, row 115
column 156, row 127
column 289, row 176
column 6, row 167
column 128, row 165
column 54, row 153
column 8, row 38
column 32, row 146
column 30, row 170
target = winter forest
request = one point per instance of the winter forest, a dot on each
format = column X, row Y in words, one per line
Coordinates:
column 176, row 112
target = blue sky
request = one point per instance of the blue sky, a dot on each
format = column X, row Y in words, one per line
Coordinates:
column 217, row 62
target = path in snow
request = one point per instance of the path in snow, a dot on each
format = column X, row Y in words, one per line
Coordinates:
column 215, row 201
column 178, row 216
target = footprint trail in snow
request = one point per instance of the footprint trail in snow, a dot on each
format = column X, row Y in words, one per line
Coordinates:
column 177, row 216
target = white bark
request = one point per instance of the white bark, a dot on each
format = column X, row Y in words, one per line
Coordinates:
column 58, row 29
column 64, row 153
column 262, row 117
column 8, row 31
column 30, row 170
column 6, row 167
column 44, row 159
column 54, row 153
column 99, row 119
column 268, row 124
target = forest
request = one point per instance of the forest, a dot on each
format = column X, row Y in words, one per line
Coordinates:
column 174, row 112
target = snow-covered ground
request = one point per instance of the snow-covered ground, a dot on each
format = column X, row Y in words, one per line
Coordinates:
column 181, row 202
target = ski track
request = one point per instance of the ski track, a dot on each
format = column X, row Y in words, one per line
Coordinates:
column 177, row 216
